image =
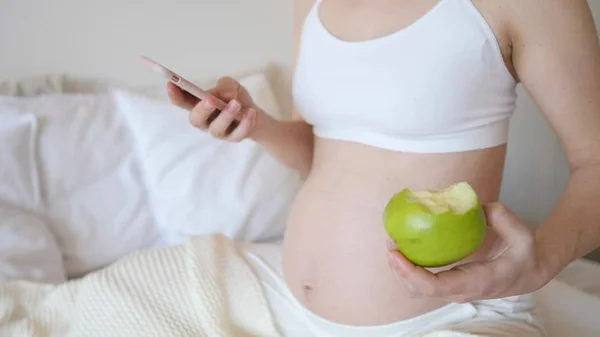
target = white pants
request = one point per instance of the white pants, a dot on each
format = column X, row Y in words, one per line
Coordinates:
column 508, row 317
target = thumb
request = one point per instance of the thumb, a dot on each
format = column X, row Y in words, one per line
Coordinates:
column 507, row 225
column 228, row 88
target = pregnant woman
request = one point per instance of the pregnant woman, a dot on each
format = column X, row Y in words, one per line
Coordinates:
column 389, row 94
column 419, row 94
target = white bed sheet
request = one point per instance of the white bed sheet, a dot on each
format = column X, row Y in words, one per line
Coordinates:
column 570, row 305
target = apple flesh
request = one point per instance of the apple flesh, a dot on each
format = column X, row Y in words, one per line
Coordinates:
column 435, row 228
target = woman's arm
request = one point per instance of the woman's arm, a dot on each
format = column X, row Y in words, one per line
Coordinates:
column 557, row 56
column 290, row 142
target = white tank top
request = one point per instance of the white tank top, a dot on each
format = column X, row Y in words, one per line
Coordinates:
column 439, row 85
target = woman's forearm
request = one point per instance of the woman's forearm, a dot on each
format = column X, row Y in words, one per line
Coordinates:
column 290, row 142
column 573, row 228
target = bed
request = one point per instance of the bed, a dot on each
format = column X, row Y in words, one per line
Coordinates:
column 95, row 163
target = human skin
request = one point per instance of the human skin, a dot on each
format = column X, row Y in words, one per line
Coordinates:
column 336, row 260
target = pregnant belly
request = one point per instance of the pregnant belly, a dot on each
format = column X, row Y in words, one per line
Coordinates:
column 336, row 262
column 335, row 257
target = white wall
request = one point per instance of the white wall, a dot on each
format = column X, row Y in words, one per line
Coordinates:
column 208, row 38
column 103, row 38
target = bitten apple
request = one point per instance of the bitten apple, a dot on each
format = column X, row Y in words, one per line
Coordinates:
column 435, row 228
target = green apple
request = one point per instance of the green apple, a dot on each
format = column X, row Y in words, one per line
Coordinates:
column 435, row 228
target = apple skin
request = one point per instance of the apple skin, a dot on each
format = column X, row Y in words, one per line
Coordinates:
column 433, row 240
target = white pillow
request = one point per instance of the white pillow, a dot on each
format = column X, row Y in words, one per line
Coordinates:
column 95, row 200
column 201, row 185
column 28, row 250
column 32, row 86
column 19, row 182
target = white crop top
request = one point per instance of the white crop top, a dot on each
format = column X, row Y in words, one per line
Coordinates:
column 439, row 85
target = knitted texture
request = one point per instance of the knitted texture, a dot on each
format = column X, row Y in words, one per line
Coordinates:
column 201, row 288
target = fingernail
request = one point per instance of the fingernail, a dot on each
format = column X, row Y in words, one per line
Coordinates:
column 391, row 264
column 390, row 244
column 394, row 264
column 209, row 103
column 394, row 260
column 251, row 113
column 234, row 106
column 171, row 91
column 409, row 289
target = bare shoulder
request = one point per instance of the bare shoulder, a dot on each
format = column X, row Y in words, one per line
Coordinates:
column 497, row 14
column 547, row 25
column 544, row 14
column 567, row 18
column 556, row 54
column 552, row 48
column 301, row 10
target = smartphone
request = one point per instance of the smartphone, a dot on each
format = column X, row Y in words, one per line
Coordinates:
column 176, row 79
column 187, row 86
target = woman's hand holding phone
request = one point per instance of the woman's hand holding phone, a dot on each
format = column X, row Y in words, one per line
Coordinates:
column 233, row 119
column 227, row 111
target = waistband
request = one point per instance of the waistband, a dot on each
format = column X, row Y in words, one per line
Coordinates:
column 417, row 326
column 517, row 314
column 266, row 260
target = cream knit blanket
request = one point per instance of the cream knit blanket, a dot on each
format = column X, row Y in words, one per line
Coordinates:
column 202, row 288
